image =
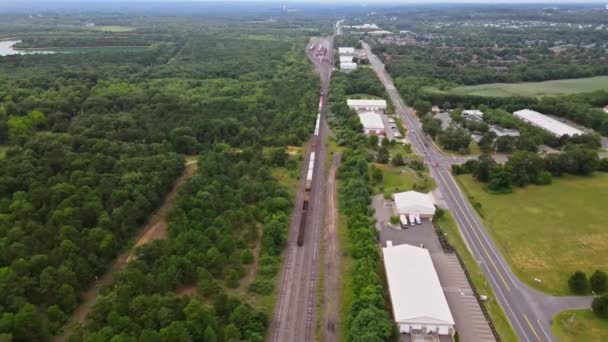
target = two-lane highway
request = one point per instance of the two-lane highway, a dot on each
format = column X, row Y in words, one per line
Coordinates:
column 529, row 311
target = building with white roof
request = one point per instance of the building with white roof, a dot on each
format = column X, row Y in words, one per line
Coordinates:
column 367, row 105
column 419, row 304
column 414, row 202
column 346, row 59
column 348, row 66
column 346, row 51
column 372, row 123
column 472, row 114
column 547, row 123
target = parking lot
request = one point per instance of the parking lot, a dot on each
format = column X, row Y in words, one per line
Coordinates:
column 389, row 131
column 470, row 321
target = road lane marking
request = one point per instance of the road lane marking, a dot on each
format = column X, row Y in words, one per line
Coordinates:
column 532, row 328
column 543, row 330
column 457, row 203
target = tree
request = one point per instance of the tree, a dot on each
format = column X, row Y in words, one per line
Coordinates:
column 455, row 139
column 485, row 143
column 373, row 141
column 500, row 180
column 422, row 107
column 397, row 159
column 383, row 155
column 233, row 279
column 598, row 281
column 578, row 283
column 484, row 168
column 431, row 126
column 599, row 306
column 505, row 144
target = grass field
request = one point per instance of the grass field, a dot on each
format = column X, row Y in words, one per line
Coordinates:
column 548, row 232
column 448, row 225
column 113, row 28
column 533, row 89
column 579, row 325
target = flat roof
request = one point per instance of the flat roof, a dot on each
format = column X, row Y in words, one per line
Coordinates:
column 346, row 59
column 416, row 293
column 348, row 65
column 346, row 50
column 371, row 121
column 473, row 112
column 368, row 103
column 414, row 201
column 547, row 123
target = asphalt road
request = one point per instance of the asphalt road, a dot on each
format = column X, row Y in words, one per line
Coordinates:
column 529, row 311
column 295, row 310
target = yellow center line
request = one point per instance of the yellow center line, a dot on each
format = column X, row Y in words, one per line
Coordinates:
column 532, row 328
column 476, row 236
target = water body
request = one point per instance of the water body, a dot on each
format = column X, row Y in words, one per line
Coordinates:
column 6, row 49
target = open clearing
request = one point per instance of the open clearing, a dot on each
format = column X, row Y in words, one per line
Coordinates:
column 548, row 232
column 533, row 89
column 113, row 28
column 579, row 325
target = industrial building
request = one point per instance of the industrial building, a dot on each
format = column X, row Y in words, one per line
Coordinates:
column 372, row 123
column 346, row 51
column 472, row 114
column 414, row 202
column 348, row 66
column 504, row 132
column 547, row 123
column 346, row 59
column 419, row 304
column 377, row 106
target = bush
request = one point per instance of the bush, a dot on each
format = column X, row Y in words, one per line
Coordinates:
column 603, row 165
column 578, row 283
column 544, row 178
column 394, row 219
column 598, row 281
column 600, row 306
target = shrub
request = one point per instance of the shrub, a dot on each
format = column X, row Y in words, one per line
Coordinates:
column 394, row 219
column 600, row 306
column 598, row 281
column 578, row 283
column 544, row 178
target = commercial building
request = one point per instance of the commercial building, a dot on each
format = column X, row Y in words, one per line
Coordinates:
column 346, row 59
column 504, row 132
column 346, row 51
column 419, row 304
column 377, row 106
column 472, row 114
column 414, row 202
column 348, row 66
column 372, row 123
column 547, row 123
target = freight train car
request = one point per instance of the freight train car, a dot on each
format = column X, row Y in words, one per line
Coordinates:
column 310, row 172
column 302, row 229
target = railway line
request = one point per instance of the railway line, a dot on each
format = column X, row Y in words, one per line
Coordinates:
column 295, row 309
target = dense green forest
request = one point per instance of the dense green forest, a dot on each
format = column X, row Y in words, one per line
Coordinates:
column 94, row 140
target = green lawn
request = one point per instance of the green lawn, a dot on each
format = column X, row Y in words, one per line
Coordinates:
column 448, row 226
column 548, row 232
column 578, row 326
column 397, row 179
column 533, row 89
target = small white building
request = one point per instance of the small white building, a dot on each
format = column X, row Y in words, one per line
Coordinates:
column 504, row 132
column 472, row 114
column 346, row 59
column 415, row 202
column 372, row 123
column 348, row 66
column 378, row 106
column 419, row 304
column 549, row 124
column 346, row 51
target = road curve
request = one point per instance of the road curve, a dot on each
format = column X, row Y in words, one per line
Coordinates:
column 529, row 311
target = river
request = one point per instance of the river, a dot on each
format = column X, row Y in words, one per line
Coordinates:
column 6, row 49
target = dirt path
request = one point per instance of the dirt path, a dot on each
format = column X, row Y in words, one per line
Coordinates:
column 154, row 230
column 332, row 285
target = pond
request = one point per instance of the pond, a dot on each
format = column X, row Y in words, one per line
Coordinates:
column 6, row 49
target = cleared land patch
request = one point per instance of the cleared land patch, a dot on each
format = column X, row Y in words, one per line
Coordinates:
column 548, row 232
column 579, row 325
column 531, row 89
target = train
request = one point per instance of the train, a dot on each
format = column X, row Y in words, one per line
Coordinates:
column 310, row 172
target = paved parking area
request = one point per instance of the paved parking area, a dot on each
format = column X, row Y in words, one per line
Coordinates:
column 470, row 321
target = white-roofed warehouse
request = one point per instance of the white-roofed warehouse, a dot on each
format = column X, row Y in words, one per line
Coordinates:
column 414, row 202
column 547, row 123
column 372, row 123
column 366, row 105
column 419, row 304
